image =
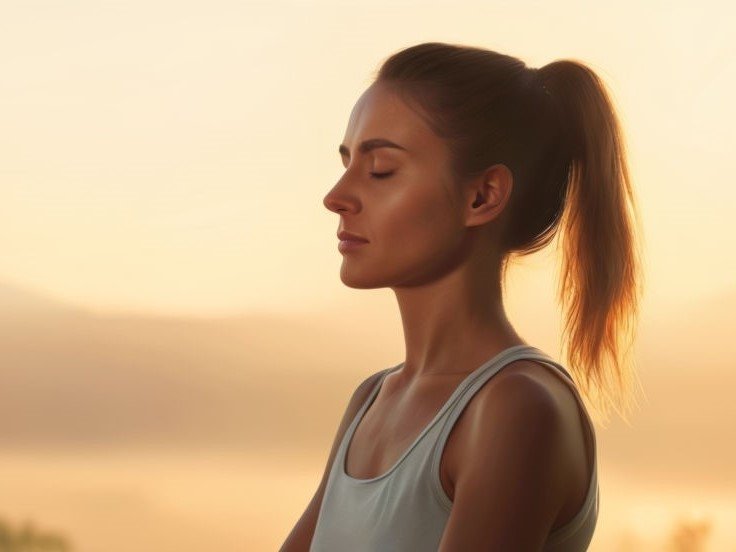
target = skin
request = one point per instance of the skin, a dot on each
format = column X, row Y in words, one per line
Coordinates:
column 445, row 270
column 433, row 241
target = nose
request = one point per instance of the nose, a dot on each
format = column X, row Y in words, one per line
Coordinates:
column 339, row 198
column 335, row 204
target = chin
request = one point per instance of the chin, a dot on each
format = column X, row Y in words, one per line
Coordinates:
column 355, row 280
column 360, row 284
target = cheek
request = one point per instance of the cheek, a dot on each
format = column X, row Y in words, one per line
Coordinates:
column 422, row 222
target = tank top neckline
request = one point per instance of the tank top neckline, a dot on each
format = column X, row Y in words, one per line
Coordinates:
column 455, row 394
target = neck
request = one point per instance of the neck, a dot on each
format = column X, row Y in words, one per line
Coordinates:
column 453, row 324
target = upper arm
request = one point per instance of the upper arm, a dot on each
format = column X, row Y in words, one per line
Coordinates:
column 509, row 485
column 301, row 535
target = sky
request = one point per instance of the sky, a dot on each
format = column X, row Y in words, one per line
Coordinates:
column 161, row 157
column 172, row 157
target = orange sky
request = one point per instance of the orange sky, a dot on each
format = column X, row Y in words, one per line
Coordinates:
column 173, row 156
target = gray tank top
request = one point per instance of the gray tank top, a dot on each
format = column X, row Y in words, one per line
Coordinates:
column 406, row 508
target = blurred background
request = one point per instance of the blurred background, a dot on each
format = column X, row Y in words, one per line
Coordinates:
column 176, row 346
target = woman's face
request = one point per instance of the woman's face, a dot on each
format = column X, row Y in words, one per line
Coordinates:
column 412, row 217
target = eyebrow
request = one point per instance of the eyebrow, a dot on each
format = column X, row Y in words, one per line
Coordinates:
column 371, row 144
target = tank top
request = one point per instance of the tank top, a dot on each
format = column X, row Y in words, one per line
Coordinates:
column 406, row 509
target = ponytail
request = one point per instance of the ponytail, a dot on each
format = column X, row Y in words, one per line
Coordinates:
column 601, row 276
column 557, row 131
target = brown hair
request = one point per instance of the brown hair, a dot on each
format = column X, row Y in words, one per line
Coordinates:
column 555, row 128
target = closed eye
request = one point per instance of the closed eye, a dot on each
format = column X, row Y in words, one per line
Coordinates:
column 381, row 175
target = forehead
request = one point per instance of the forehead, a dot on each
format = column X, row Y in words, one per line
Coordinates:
column 381, row 113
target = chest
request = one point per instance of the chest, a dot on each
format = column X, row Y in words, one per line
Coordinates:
column 391, row 425
column 394, row 420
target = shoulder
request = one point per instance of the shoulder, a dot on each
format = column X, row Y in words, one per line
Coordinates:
column 517, row 423
column 367, row 385
column 510, row 476
column 521, row 397
column 362, row 392
column 526, row 388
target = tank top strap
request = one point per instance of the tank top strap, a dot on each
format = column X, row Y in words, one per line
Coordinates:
column 542, row 357
column 546, row 359
column 406, row 506
column 470, row 386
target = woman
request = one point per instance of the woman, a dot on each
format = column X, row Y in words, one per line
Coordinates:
column 456, row 159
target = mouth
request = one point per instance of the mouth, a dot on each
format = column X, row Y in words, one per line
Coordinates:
column 345, row 246
column 349, row 236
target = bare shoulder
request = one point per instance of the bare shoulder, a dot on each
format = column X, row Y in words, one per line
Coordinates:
column 510, row 482
column 516, row 413
column 518, row 397
column 526, row 399
column 540, row 381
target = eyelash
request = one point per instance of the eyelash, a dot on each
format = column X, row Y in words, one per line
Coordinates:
column 380, row 176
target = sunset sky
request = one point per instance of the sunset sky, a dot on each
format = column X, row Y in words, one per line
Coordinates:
column 173, row 156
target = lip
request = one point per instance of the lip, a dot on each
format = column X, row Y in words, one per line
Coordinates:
column 349, row 236
column 344, row 246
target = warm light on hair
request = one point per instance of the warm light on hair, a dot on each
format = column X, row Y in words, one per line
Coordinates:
column 556, row 129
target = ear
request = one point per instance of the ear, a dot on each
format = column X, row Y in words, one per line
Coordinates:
column 488, row 195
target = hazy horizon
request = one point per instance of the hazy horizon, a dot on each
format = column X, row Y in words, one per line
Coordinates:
column 110, row 416
column 176, row 345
